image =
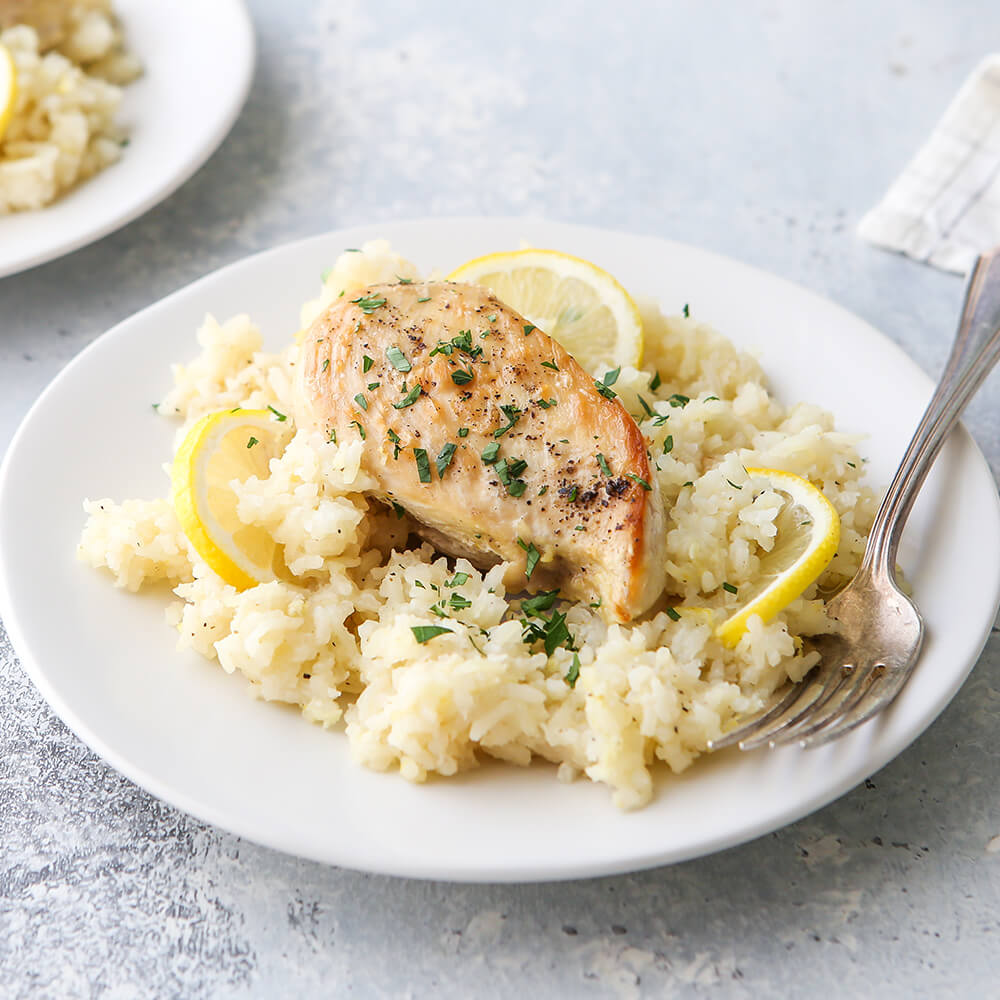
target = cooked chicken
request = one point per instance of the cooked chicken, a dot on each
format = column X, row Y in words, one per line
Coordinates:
column 493, row 438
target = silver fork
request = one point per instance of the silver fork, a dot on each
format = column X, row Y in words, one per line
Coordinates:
column 878, row 629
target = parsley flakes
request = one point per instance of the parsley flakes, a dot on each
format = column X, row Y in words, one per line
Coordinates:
column 398, row 359
column 573, row 673
column 423, row 465
column 424, row 633
column 444, row 458
column 409, row 399
column 533, row 556
column 368, row 304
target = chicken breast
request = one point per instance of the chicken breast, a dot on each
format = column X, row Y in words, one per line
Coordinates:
column 493, row 438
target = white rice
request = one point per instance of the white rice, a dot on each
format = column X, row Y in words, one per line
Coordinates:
column 62, row 129
column 338, row 640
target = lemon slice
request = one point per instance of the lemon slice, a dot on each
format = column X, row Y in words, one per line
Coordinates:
column 572, row 300
column 219, row 448
column 8, row 87
column 808, row 536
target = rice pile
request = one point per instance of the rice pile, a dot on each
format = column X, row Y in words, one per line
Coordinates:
column 338, row 642
column 70, row 65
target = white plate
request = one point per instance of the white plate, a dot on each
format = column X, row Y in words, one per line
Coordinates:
column 198, row 61
column 190, row 734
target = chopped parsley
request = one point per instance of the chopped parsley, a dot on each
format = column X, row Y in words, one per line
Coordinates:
column 655, row 382
column 612, row 376
column 399, row 509
column 528, row 328
column 552, row 631
column 398, row 359
column 326, row 364
column 533, row 556
column 572, row 494
column 543, row 491
column 673, row 614
column 394, row 438
column 458, row 579
column 668, row 444
column 513, row 414
column 550, row 364
column 463, row 432
column 404, row 281
column 603, row 463
column 278, row 415
column 409, row 399
column 507, row 474
column 542, row 601
column 677, row 400
column 368, row 304
column 490, row 452
column 461, row 376
column 361, row 401
column 546, row 404
column 251, row 442
column 708, row 399
column 444, row 458
column 605, row 390
column 638, row 479
column 366, row 363
column 649, row 410
column 372, row 386
column 333, row 437
column 729, row 588
column 735, row 486
column 574, row 671
column 423, row 465
column 424, row 633
column 426, row 298
column 361, row 430
column 687, row 311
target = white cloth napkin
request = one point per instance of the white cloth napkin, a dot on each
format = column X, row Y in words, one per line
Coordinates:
column 944, row 209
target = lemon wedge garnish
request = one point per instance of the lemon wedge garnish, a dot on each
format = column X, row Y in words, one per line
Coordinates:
column 582, row 307
column 219, row 448
column 8, row 87
column 807, row 539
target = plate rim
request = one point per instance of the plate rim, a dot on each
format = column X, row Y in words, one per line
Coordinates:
column 200, row 156
column 733, row 836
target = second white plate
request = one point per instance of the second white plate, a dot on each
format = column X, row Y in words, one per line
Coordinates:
column 198, row 61
column 190, row 734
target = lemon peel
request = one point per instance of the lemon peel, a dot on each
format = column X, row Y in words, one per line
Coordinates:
column 8, row 88
column 803, row 549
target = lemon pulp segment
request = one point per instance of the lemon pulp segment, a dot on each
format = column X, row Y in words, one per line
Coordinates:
column 219, row 448
column 575, row 302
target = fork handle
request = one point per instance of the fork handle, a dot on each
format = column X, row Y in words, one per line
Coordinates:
column 974, row 353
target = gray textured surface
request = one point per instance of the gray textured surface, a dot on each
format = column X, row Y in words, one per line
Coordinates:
column 762, row 134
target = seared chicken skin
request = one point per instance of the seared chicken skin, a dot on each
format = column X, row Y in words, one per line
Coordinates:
column 492, row 437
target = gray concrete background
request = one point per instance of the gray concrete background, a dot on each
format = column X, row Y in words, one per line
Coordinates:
column 762, row 130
